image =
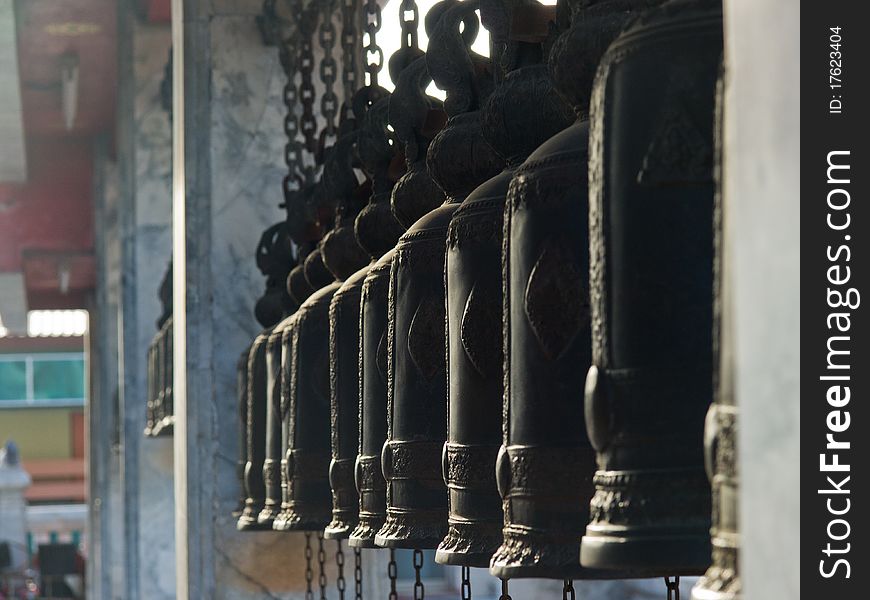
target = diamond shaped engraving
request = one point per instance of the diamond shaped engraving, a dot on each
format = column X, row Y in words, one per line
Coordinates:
column 426, row 337
column 481, row 329
column 556, row 300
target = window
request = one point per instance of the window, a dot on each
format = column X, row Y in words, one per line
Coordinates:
column 42, row 379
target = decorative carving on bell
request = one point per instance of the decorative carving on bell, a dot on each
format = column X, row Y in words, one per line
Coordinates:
column 273, row 260
column 722, row 579
column 545, row 466
column 521, row 113
column 651, row 205
column 414, row 118
column 305, row 346
column 458, row 160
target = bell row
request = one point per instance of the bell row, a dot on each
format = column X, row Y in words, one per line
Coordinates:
column 505, row 343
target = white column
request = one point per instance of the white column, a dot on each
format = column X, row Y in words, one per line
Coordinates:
column 762, row 157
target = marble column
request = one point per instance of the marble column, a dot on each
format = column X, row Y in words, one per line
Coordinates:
column 228, row 143
column 105, row 518
column 762, row 157
column 145, row 152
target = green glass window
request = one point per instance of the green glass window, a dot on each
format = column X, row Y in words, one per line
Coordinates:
column 47, row 379
column 13, row 380
column 58, row 379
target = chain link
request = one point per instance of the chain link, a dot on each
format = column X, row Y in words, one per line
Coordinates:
column 505, row 594
column 409, row 18
column 392, row 573
column 673, row 587
column 328, row 71
column 349, row 41
column 466, row 583
column 307, row 122
column 357, row 573
column 339, row 561
column 321, row 563
column 419, row 592
column 288, row 53
column 309, row 574
column 568, row 590
column 374, row 54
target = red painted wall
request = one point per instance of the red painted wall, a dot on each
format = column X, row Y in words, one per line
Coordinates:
column 51, row 213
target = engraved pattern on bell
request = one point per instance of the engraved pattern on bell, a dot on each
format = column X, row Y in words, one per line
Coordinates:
column 556, row 299
column 651, row 239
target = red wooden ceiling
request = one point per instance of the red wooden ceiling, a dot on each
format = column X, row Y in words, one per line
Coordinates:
column 46, row 224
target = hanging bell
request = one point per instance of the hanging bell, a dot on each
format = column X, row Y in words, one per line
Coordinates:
column 242, row 394
column 376, row 231
column 409, row 110
column 545, row 467
column 167, row 419
column 458, row 160
column 273, row 261
column 722, row 579
column 651, row 206
column 306, row 356
column 521, row 113
column 315, row 276
column 151, row 393
column 255, row 434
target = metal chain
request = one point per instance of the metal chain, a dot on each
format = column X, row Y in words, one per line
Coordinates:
column 673, row 587
column 288, row 53
column 309, row 574
column 374, row 53
column 392, row 573
column 568, row 590
column 321, row 563
column 409, row 17
column 328, row 71
column 349, row 41
column 308, row 122
column 419, row 592
column 505, row 594
column 466, row 583
column 357, row 573
column 339, row 561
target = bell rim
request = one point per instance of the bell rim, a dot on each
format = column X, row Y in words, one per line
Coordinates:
column 649, row 556
column 463, row 559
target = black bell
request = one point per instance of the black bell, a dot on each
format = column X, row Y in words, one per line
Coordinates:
column 255, row 434
column 167, row 412
column 376, row 231
column 414, row 194
column 651, row 255
column 522, row 112
column 152, row 387
column 458, row 160
column 306, row 356
column 722, row 579
column 273, row 260
column 242, row 394
column 272, row 456
column 315, row 278
column 546, row 464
